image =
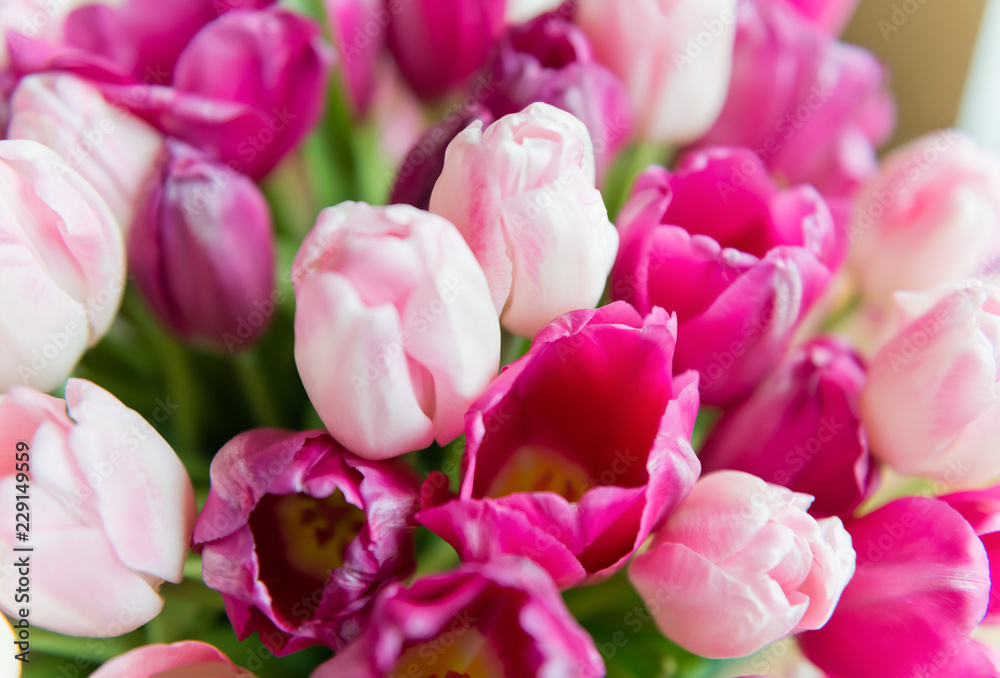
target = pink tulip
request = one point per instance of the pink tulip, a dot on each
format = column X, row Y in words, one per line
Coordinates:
column 395, row 294
column 113, row 150
column 674, row 56
column 578, row 451
column 438, row 44
column 738, row 260
column 187, row 659
column 299, row 536
column 981, row 508
column 932, row 406
column 922, row 584
column 801, row 428
column 522, row 194
column 811, row 108
column 358, row 28
column 503, row 618
column 111, row 506
column 62, row 272
column 744, row 565
column 830, row 15
column 550, row 60
column 202, row 250
column 931, row 216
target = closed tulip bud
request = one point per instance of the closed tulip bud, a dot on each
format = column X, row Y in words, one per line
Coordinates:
column 111, row 505
column 395, row 294
column 929, row 217
column 550, row 60
column 187, row 658
column 801, row 428
column 674, row 56
column 931, row 406
column 741, row 564
column 111, row 148
column 62, row 267
column 522, row 194
column 202, row 251
column 438, row 44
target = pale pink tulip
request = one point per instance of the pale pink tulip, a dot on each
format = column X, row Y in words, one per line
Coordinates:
column 111, row 148
column 929, row 217
column 395, row 334
column 112, row 510
column 674, row 56
column 10, row 665
column 522, row 194
column 187, row 659
column 62, row 270
column 741, row 564
column 932, row 403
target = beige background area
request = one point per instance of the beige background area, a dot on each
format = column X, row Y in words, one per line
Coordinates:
column 929, row 55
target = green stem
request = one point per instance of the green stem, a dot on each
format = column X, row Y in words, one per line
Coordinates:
column 94, row 650
column 256, row 390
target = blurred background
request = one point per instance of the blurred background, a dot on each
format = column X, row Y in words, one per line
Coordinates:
column 945, row 59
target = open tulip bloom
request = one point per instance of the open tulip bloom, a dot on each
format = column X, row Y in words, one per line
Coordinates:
column 488, row 339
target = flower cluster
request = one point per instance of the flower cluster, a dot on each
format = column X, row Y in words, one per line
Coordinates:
column 465, row 339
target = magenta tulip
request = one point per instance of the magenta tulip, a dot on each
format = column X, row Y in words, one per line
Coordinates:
column 922, row 585
column 62, row 266
column 438, row 44
column 744, row 565
column 981, row 508
column 801, row 428
column 188, row 659
column 831, row 15
column 202, row 251
column 811, row 108
column 396, row 295
column 111, row 505
column 578, row 451
column 299, row 536
column 503, row 618
column 738, row 260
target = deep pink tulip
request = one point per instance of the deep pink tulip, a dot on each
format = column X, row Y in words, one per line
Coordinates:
column 811, row 108
column 982, row 509
column 111, row 505
column 503, row 618
column 550, row 60
column 396, row 295
column 743, row 565
column 299, row 535
column 578, row 451
column 738, row 260
column 831, row 15
column 438, row 44
column 801, row 428
column 62, row 266
column 202, row 251
column 922, row 585
column 186, row 659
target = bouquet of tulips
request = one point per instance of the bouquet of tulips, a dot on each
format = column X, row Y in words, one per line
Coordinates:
column 488, row 339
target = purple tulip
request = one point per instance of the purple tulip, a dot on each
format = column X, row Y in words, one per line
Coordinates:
column 577, row 451
column 438, row 44
column 299, row 536
column 738, row 260
column 503, row 618
column 921, row 586
column 201, row 250
column 801, row 428
column 812, row 108
column 420, row 169
column 550, row 60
